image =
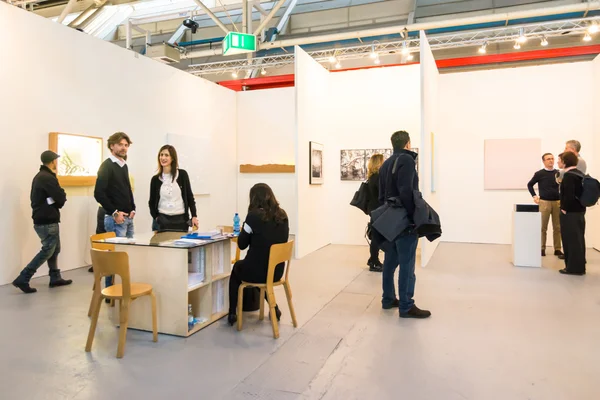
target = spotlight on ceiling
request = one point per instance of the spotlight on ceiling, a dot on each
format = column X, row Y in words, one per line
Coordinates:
column 587, row 37
column 234, row 74
column 544, row 42
column 594, row 28
column 338, row 65
column 373, row 54
column 332, row 59
column 522, row 38
column 263, row 71
column 517, row 46
column 483, row 48
column 410, row 57
column 191, row 24
column 377, row 61
column 405, row 49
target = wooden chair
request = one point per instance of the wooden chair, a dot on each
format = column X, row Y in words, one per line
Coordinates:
column 117, row 263
column 229, row 229
column 105, row 247
column 279, row 253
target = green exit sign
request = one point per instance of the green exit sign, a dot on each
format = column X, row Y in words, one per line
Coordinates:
column 236, row 43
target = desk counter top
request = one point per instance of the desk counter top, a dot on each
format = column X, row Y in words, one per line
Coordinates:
column 170, row 240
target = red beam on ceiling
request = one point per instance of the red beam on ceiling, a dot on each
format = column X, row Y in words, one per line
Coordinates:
column 279, row 81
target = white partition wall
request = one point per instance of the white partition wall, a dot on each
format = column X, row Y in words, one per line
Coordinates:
column 367, row 106
column 91, row 87
column 551, row 102
column 430, row 133
column 312, row 124
column 593, row 227
column 266, row 133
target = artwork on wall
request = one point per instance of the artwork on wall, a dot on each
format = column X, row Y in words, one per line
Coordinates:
column 316, row 163
column 432, row 162
column 502, row 174
column 80, row 158
column 354, row 163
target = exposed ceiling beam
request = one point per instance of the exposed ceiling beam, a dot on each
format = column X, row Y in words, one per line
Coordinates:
column 212, row 16
column 265, row 22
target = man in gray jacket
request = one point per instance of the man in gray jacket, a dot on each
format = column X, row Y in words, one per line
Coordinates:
column 573, row 146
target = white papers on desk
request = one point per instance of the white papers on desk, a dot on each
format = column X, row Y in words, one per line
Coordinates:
column 117, row 240
column 50, row 201
column 189, row 241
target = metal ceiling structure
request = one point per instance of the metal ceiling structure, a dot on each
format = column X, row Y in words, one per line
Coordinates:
column 518, row 34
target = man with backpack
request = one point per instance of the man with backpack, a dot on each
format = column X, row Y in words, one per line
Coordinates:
column 572, row 216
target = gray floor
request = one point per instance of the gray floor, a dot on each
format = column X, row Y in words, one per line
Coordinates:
column 497, row 332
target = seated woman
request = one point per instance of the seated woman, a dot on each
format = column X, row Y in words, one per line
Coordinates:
column 171, row 196
column 266, row 224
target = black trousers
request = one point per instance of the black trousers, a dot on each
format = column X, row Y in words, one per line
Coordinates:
column 100, row 221
column 572, row 230
column 242, row 272
column 374, row 250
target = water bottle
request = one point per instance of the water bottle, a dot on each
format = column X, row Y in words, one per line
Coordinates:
column 191, row 319
column 236, row 224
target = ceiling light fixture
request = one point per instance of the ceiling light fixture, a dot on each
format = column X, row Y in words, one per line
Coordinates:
column 373, row 54
column 522, row 38
column 263, row 71
column 593, row 28
column 483, row 48
column 338, row 65
column 410, row 57
column 544, row 42
column 405, row 49
column 377, row 61
column 234, row 74
column 517, row 46
column 332, row 59
column 587, row 37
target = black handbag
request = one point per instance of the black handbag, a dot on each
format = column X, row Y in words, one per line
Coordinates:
column 361, row 198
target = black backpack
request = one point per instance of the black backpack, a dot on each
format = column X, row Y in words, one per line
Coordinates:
column 591, row 189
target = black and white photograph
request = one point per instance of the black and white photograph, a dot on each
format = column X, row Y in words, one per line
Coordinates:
column 316, row 163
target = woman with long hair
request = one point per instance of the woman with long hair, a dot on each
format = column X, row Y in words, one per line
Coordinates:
column 171, row 197
column 266, row 224
column 373, row 203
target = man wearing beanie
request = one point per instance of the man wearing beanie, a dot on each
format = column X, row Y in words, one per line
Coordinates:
column 47, row 198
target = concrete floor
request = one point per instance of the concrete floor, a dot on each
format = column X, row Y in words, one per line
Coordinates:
column 497, row 332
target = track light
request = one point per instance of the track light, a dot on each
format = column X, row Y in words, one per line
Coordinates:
column 377, row 61
column 544, row 42
column 587, row 37
column 517, row 46
column 483, row 48
column 410, row 57
column 332, row 59
column 263, row 71
column 338, row 65
column 234, row 74
column 405, row 49
column 522, row 38
column 191, row 24
column 593, row 28
column 373, row 54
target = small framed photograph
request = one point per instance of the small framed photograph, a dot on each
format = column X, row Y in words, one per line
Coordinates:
column 316, row 163
column 80, row 158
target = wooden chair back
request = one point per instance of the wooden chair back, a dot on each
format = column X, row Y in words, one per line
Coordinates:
column 102, row 246
column 226, row 228
column 108, row 263
column 280, row 253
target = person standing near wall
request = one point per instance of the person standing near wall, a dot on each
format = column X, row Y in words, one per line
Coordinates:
column 572, row 217
column 548, row 200
column 573, row 146
column 399, row 179
column 113, row 189
column 47, row 198
column 375, row 163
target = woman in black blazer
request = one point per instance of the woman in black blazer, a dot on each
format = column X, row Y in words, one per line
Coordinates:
column 572, row 217
column 373, row 203
column 171, row 196
column 266, row 224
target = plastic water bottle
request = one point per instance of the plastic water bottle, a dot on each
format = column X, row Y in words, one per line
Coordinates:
column 191, row 319
column 236, row 224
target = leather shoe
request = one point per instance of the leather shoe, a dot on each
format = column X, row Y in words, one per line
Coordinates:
column 415, row 312
column 25, row 288
column 564, row 271
column 395, row 304
column 559, row 254
column 231, row 319
column 60, row 282
column 543, row 253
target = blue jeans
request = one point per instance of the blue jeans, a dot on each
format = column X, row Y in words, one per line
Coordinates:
column 403, row 253
column 121, row 230
column 50, row 237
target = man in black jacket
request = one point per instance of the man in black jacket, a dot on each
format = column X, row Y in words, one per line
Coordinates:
column 398, row 178
column 47, row 198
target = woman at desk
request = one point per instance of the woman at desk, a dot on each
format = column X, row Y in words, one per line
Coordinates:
column 171, row 196
column 266, row 224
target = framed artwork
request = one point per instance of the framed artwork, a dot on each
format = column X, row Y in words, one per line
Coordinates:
column 80, row 158
column 354, row 164
column 316, row 163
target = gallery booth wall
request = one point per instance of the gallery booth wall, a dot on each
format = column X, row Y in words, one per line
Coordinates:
column 91, row 87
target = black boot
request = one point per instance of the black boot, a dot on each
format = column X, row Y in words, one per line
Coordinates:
column 24, row 286
column 231, row 319
column 375, row 266
column 60, row 282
